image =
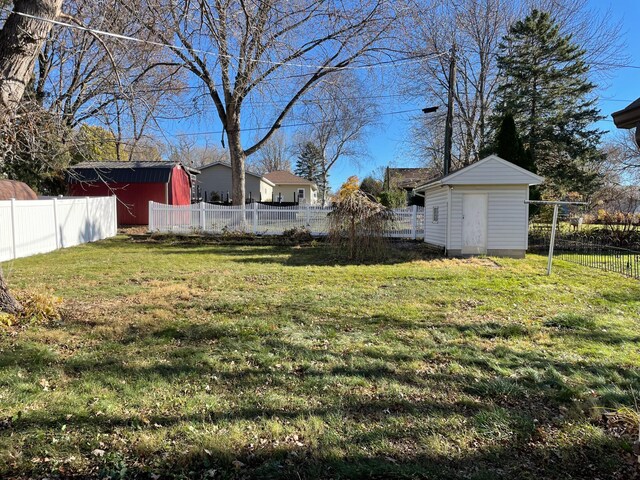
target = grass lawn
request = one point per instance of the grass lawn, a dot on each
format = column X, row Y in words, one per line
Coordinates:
column 192, row 360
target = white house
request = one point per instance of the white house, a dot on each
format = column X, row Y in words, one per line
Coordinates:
column 292, row 188
column 215, row 181
column 480, row 209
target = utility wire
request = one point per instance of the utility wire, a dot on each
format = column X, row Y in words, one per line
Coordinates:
column 218, row 54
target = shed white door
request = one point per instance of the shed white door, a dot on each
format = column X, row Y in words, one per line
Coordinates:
column 474, row 223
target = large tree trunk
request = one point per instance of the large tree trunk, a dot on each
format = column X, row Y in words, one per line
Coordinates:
column 8, row 303
column 238, row 157
column 21, row 39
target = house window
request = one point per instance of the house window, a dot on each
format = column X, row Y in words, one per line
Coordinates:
column 301, row 194
column 435, row 214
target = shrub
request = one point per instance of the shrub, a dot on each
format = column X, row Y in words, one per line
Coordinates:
column 394, row 198
column 298, row 235
column 357, row 224
column 40, row 306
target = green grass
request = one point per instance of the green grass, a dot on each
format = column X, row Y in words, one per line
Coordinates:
column 204, row 360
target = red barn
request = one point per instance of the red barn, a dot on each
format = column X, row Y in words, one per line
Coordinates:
column 135, row 184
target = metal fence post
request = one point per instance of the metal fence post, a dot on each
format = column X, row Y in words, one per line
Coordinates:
column 553, row 238
column 414, row 222
column 255, row 218
column 13, row 228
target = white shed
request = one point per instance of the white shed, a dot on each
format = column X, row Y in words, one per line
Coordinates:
column 480, row 209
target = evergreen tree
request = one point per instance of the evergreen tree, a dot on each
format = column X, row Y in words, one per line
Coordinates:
column 508, row 144
column 309, row 164
column 544, row 85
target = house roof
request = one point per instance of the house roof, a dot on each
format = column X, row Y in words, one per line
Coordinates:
column 123, row 172
column 247, row 172
column 628, row 117
column 282, row 177
column 511, row 174
column 13, row 189
column 409, row 178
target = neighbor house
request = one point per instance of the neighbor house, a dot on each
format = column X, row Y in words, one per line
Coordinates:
column 135, row 184
column 214, row 182
column 480, row 209
column 292, row 188
column 407, row 179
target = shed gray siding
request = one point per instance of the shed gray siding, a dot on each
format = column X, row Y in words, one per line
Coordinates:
column 435, row 233
column 507, row 223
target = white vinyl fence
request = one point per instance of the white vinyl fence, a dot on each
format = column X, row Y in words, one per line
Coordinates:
column 266, row 219
column 28, row 227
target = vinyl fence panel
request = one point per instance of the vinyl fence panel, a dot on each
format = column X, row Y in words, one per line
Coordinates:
column 29, row 227
column 266, row 219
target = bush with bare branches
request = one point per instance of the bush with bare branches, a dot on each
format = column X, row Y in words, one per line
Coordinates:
column 358, row 223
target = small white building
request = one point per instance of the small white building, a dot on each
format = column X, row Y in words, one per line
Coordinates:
column 480, row 209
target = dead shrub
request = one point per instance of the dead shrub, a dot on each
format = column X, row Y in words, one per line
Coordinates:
column 357, row 224
column 39, row 306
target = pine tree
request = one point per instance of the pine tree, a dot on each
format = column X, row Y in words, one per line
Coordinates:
column 508, row 144
column 309, row 164
column 544, row 85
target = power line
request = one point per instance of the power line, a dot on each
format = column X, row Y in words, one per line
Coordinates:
column 218, row 54
column 299, row 124
column 254, row 129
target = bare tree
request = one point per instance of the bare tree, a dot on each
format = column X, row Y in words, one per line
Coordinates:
column 275, row 154
column 272, row 49
column 189, row 152
column 339, row 127
column 122, row 85
column 475, row 28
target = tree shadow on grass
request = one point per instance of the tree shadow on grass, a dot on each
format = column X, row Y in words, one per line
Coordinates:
column 510, row 424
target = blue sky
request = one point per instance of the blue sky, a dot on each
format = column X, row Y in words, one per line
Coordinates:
column 621, row 88
column 388, row 141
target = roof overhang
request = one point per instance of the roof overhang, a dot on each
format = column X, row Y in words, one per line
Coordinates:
column 629, row 118
column 529, row 178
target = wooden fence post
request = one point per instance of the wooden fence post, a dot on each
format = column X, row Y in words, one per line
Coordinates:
column 202, row 217
column 13, row 228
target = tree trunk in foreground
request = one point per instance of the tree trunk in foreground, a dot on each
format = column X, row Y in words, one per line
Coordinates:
column 8, row 303
column 21, row 39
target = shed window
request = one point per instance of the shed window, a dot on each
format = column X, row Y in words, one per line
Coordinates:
column 301, row 193
column 435, row 214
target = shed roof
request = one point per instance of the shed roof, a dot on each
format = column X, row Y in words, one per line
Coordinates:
column 122, row 172
column 491, row 170
column 282, row 177
column 14, row 189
